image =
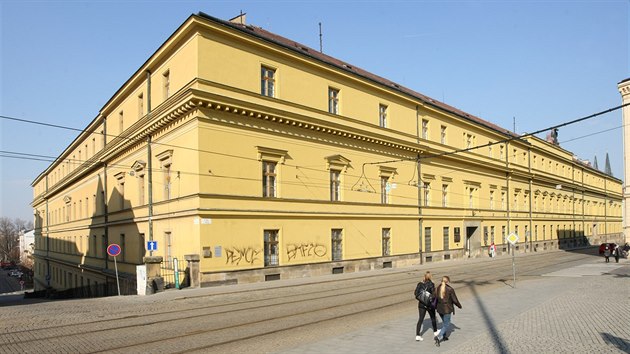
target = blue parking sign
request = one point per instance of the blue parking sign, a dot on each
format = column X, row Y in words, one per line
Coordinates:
column 152, row 245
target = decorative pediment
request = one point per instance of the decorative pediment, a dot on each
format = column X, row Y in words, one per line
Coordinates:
column 386, row 171
column 120, row 176
column 138, row 166
column 472, row 183
column 427, row 177
column 337, row 162
column 270, row 154
column 165, row 157
column 448, row 179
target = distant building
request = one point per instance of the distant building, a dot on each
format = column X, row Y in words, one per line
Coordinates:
column 27, row 247
column 268, row 159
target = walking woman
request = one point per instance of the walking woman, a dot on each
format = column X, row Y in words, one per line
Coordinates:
column 426, row 306
column 446, row 298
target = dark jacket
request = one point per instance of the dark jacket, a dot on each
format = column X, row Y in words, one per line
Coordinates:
column 445, row 305
column 428, row 286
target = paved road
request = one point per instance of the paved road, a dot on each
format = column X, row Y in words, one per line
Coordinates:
column 581, row 309
column 565, row 308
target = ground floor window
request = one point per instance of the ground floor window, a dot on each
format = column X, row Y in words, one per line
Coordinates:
column 386, row 235
column 427, row 239
column 337, row 250
column 445, row 234
column 271, row 248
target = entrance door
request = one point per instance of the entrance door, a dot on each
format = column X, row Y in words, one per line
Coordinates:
column 470, row 231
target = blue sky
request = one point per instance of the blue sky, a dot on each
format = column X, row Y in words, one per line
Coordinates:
column 543, row 63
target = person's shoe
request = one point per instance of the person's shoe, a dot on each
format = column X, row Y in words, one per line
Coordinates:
column 435, row 334
column 437, row 342
column 418, row 338
column 444, row 339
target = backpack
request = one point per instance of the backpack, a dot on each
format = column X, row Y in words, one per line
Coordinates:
column 422, row 295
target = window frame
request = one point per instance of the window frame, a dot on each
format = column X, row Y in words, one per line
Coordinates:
column 334, row 100
column 267, row 82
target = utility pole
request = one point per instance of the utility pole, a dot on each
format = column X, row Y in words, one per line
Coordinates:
column 149, row 163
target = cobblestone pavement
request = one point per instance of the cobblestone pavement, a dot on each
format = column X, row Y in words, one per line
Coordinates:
column 582, row 309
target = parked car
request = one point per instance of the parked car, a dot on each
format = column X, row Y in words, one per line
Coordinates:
column 611, row 246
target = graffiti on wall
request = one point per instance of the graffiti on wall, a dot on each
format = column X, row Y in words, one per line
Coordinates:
column 305, row 250
column 236, row 255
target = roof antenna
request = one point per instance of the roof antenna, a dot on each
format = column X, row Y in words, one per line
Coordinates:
column 321, row 50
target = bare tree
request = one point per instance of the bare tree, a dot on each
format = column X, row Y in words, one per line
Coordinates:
column 9, row 240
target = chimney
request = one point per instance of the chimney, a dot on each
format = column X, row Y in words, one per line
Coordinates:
column 240, row 19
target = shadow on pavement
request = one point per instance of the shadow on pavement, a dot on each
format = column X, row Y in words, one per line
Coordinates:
column 620, row 343
column 494, row 333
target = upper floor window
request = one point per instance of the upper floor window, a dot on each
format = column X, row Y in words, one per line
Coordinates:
column 166, row 84
column 333, row 100
column 501, row 152
column 384, row 190
column 427, row 193
column 425, row 129
column 382, row 116
column 335, row 185
column 140, row 105
column 121, row 121
column 269, row 179
column 443, row 134
column 491, row 200
column 267, row 81
column 469, row 141
column 444, row 195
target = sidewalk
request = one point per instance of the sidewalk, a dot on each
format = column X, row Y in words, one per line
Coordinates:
column 583, row 309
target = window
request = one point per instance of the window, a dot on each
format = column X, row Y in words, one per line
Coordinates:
column 93, row 146
column 427, row 239
column 141, row 248
column 167, row 181
column 445, row 235
column 166, row 84
column 271, row 248
column 103, row 246
column 141, row 189
column 386, row 237
column 501, row 152
column 491, row 234
column 121, row 125
column 267, row 81
column 515, row 207
column 269, row 179
column 123, row 247
column 503, row 235
column 335, row 185
column 384, row 190
column 140, row 105
column 382, row 116
column 94, row 251
column 444, row 195
column 425, row 129
column 502, row 200
column 443, row 134
column 485, row 235
column 168, row 244
column 491, row 200
column 457, row 236
column 337, row 250
column 490, row 151
column 471, row 197
column 427, row 192
column 469, row 141
column 333, row 100
column 535, row 232
column 121, row 187
column 516, row 229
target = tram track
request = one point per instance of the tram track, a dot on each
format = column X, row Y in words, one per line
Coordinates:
column 400, row 288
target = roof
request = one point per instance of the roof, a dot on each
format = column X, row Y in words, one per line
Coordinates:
column 317, row 55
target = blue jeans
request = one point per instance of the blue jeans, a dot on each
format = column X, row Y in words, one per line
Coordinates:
column 446, row 322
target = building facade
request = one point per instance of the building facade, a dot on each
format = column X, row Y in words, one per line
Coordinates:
column 269, row 159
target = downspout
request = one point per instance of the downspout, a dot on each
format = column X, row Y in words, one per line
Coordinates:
column 105, row 209
column 47, row 239
column 531, row 197
column 419, row 188
column 149, row 163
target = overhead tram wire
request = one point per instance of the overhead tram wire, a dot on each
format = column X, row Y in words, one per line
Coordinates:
column 366, row 163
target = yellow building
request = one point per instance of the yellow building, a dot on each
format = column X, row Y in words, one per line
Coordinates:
column 269, row 159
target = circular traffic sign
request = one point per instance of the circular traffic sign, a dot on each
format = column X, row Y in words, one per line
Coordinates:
column 113, row 250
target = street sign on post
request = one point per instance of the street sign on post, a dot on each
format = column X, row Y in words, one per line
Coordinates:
column 151, row 246
column 513, row 239
column 114, row 250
